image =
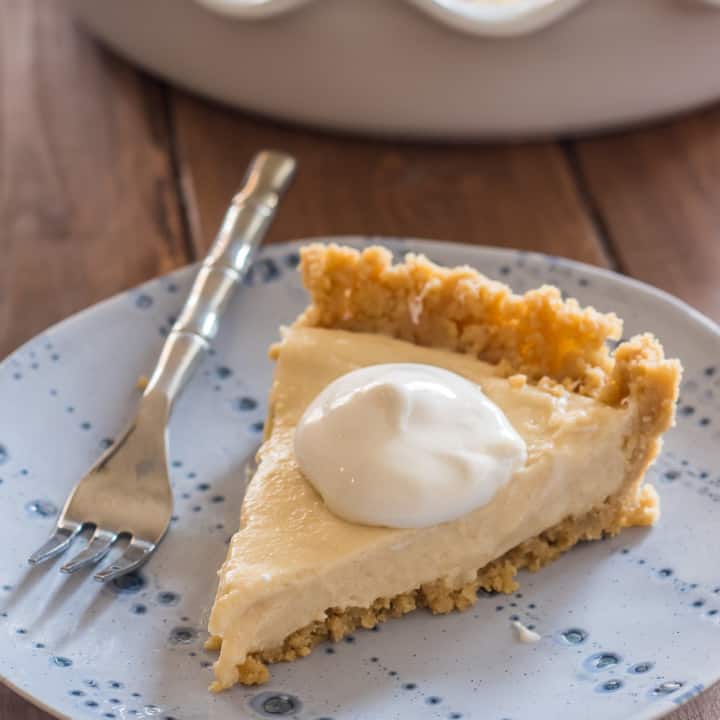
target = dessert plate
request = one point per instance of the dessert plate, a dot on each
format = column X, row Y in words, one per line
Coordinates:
column 630, row 626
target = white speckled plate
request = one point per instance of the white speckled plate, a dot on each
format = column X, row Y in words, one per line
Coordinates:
column 630, row 627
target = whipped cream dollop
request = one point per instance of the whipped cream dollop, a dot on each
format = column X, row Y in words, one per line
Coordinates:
column 406, row 446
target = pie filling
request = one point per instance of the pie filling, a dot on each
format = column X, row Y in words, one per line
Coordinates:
column 293, row 558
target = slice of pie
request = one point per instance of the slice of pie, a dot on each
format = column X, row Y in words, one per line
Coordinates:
column 296, row 574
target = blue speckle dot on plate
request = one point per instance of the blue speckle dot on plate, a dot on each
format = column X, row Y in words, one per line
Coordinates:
column 128, row 584
column 143, row 301
column 292, row 260
column 138, row 609
column 687, row 410
column 223, row 372
column 244, row 404
column 85, row 425
column 275, row 704
column 350, row 639
column 42, row 508
column 77, row 693
column 3, row 455
column 257, row 427
column 433, row 700
column 182, row 635
column 91, row 703
column 217, row 498
column 641, row 668
column 91, row 683
column 409, row 686
column 39, row 645
column 168, row 598
column 455, row 716
column 666, row 688
column 202, row 487
column 610, row 686
column 263, row 271
column 602, row 661
column 115, row 684
column 105, row 443
column 665, row 572
column 574, row 636
column 21, row 631
column 329, row 651
column 61, row 661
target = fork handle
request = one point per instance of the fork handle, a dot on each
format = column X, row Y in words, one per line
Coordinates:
column 223, row 269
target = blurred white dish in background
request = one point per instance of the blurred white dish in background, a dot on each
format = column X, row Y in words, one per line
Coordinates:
column 429, row 68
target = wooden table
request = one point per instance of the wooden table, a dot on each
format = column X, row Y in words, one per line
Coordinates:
column 109, row 177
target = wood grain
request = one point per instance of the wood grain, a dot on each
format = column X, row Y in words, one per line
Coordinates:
column 520, row 196
column 87, row 205
column 657, row 191
column 90, row 204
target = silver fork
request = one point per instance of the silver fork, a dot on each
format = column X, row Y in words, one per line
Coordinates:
column 127, row 492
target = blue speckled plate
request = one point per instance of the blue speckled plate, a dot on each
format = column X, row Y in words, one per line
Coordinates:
column 630, row 627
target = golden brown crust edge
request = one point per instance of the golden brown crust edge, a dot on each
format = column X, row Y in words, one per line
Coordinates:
column 537, row 334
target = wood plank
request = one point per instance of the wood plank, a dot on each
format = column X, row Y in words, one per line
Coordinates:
column 657, row 190
column 87, row 206
column 519, row 196
column 703, row 707
column 13, row 707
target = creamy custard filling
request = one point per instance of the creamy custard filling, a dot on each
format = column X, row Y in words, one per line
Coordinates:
column 292, row 558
